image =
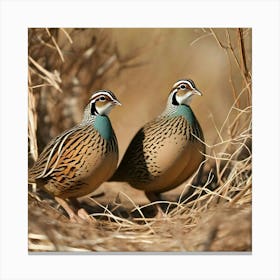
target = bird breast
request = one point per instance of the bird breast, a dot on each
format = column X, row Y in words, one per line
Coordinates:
column 170, row 154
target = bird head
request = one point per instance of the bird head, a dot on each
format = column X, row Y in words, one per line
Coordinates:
column 102, row 102
column 183, row 91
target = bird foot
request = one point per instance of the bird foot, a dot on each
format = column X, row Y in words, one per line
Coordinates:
column 76, row 219
column 80, row 217
column 83, row 214
column 159, row 212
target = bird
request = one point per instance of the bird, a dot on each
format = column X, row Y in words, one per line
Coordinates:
column 166, row 151
column 78, row 160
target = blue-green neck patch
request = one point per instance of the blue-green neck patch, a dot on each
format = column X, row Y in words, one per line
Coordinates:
column 103, row 125
column 186, row 112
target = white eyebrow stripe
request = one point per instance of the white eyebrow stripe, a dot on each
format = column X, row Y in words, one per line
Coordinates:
column 101, row 92
column 189, row 82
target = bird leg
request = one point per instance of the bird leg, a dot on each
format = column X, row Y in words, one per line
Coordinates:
column 72, row 215
column 81, row 212
column 80, row 217
column 153, row 197
column 198, row 178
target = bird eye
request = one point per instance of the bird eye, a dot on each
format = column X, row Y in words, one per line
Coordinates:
column 182, row 87
column 102, row 98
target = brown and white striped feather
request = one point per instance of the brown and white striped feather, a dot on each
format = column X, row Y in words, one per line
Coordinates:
column 76, row 162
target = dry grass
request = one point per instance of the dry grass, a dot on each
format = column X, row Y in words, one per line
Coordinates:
column 212, row 216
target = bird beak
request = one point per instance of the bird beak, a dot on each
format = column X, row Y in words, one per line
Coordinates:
column 117, row 102
column 197, row 92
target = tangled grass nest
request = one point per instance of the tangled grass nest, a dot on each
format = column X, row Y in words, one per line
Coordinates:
column 212, row 216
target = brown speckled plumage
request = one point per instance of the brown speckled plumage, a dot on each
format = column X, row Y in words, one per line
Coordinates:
column 77, row 161
column 166, row 151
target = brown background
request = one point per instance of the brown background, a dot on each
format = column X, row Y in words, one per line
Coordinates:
column 140, row 66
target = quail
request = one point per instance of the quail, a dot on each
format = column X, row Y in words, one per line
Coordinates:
column 167, row 150
column 78, row 160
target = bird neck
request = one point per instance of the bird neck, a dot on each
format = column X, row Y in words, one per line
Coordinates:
column 180, row 110
column 103, row 125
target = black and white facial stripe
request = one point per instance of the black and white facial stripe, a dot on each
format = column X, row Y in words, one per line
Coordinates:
column 174, row 100
column 180, row 89
column 93, row 109
column 99, row 96
column 185, row 83
column 106, row 97
column 99, row 93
